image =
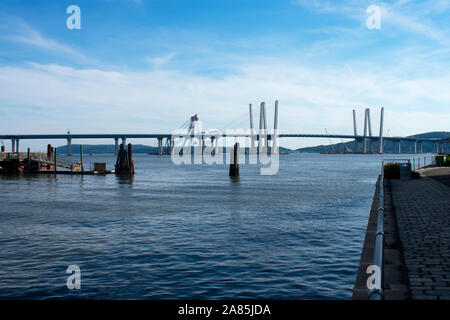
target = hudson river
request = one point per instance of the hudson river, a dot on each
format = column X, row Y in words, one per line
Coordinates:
column 189, row 232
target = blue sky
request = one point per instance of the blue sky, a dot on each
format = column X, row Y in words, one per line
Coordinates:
column 145, row 66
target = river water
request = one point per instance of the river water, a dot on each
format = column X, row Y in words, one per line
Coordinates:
column 189, row 232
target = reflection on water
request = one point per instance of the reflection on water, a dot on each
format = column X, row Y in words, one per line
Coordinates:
column 125, row 179
column 189, row 231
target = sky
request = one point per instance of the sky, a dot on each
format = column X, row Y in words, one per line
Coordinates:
column 146, row 66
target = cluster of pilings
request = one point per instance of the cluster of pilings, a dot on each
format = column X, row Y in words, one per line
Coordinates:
column 16, row 163
column 125, row 162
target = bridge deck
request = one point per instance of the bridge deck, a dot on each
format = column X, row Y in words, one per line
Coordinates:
column 169, row 135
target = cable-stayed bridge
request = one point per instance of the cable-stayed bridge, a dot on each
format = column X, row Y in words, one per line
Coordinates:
column 365, row 140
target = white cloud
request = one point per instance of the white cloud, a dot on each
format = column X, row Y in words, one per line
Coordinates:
column 411, row 16
column 161, row 60
column 19, row 31
column 89, row 100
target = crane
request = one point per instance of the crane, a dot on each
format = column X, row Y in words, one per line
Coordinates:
column 189, row 125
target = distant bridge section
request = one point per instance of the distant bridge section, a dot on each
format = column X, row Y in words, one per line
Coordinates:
column 366, row 139
column 15, row 139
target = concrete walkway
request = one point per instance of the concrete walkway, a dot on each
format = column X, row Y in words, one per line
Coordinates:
column 422, row 212
column 441, row 175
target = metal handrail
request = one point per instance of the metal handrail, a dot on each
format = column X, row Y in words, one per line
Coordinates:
column 417, row 163
column 378, row 252
column 37, row 156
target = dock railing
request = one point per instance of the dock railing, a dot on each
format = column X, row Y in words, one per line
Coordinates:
column 378, row 251
column 422, row 161
column 37, row 156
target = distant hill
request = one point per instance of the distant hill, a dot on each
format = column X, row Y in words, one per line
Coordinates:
column 110, row 149
column 105, row 149
column 388, row 146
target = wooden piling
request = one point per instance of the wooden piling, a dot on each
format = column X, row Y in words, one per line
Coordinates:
column 49, row 152
column 56, row 159
column 81, row 158
column 124, row 162
column 130, row 158
column 234, row 165
column 28, row 160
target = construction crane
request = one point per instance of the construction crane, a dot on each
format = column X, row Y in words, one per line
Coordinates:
column 189, row 125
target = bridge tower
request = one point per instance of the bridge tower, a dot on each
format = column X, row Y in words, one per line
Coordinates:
column 355, row 131
column 263, row 139
column 366, row 117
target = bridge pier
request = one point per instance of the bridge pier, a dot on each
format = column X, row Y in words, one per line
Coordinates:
column 17, row 145
column 168, row 145
column 116, row 146
column 421, row 147
column 396, row 143
column 124, row 141
column 69, row 146
column 160, row 146
column 13, row 145
column 381, row 130
column 415, row 146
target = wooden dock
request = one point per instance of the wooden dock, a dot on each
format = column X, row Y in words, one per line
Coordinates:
column 89, row 172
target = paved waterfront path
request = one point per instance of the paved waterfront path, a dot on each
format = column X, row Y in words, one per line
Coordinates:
column 422, row 211
column 441, row 175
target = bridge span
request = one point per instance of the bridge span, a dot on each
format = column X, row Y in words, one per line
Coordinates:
column 358, row 139
column 367, row 139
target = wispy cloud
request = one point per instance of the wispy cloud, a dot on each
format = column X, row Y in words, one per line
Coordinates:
column 159, row 61
column 414, row 17
column 18, row 31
